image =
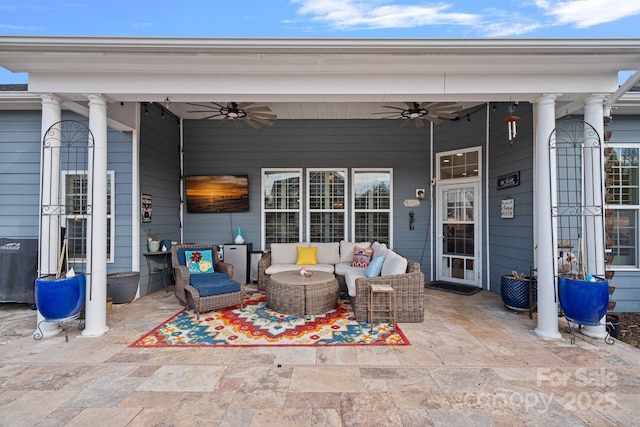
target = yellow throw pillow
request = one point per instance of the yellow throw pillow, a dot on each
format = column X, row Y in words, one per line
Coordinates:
column 306, row 256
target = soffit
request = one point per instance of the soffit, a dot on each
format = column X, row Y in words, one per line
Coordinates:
column 318, row 78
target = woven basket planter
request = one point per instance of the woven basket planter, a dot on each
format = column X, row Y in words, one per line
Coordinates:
column 515, row 292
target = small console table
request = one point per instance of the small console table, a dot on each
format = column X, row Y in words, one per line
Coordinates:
column 158, row 263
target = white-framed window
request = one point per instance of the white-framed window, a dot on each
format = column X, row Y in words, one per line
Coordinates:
column 459, row 164
column 76, row 214
column 622, row 207
column 327, row 205
column 281, row 206
column 372, row 196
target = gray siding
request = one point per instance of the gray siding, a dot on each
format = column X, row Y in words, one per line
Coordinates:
column 20, row 180
column 19, row 173
column 511, row 241
column 626, row 129
column 159, row 177
column 211, row 150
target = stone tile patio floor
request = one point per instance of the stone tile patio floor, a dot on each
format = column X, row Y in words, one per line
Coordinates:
column 472, row 362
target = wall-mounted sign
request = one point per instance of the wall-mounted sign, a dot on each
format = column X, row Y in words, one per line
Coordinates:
column 507, row 208
column 509, row 180
column 146, row 207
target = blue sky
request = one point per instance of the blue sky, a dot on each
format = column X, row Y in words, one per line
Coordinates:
column 320, row 19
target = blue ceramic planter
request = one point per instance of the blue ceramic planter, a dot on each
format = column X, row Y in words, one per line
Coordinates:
column 60, row 299
column 583, row 302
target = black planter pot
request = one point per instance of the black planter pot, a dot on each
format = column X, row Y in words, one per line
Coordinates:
column 122, row 287
column 613, row 326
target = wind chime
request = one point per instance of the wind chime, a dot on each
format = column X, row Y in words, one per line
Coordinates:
column 511, row 122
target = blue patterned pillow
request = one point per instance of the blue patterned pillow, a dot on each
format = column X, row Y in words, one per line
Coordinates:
column 199, row 261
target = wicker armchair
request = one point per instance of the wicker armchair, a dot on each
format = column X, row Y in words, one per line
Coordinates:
column 190, row 296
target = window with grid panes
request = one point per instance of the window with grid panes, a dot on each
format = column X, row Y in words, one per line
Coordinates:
column 326, row 202
column 281, row 206
column 372, row 198
column 459, row 165
column 76, row 214
column 622, row 204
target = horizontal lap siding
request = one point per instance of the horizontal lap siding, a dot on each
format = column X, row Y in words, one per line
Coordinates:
column 511, row 240
column 159, row 177
column 20, row 142
column 19, row 173
column 626, row 130
column 213, row 150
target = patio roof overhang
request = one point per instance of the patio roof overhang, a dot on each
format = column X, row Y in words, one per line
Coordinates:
column 319, row 78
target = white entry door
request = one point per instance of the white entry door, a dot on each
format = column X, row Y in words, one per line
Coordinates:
column 459, row 233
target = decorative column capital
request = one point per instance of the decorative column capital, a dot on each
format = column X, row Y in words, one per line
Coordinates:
column 547, row 98
column 96, row 99
column 50, row 99
column 595, row 99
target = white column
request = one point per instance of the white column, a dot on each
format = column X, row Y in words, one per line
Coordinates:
column 594, row 196
column 49, row 239
column 96, row 302
column 545, row 176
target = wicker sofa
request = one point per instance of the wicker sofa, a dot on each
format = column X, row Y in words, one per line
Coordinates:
column 408, row 286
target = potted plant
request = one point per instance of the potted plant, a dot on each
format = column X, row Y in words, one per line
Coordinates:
column 153, row 242
column 514, row 291
column 60, row 297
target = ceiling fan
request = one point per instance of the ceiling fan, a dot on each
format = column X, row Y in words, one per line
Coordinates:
column 433, row 111
column 239, row 113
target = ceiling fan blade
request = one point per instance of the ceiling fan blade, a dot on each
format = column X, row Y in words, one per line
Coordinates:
column 197, row 104
column 238, row 123
column 412, row 105
column 440, row 105
column 258, row 108
column 261, row 120
column 395, row 108
column 404, row 122
column 434, row 119
column 443, row 115
column 243, row 105
column 222, row 122
column 418, row 122
column 389, row 114
column 213, row 116
column 251, row 123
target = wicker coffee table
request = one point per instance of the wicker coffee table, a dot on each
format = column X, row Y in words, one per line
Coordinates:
column 291, row 293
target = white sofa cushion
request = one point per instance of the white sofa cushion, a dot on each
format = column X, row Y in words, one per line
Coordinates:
column 342, row 268
column 346, row 249
column 393, row 264
column 286, row 253
column 328, row 253
column 278, row 268
column 379, row 249
column 350, row 277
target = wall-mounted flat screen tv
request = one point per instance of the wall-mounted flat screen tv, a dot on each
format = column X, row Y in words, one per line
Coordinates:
column 217, row 193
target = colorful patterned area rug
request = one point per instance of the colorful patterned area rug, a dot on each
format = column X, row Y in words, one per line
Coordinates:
column 257, row 325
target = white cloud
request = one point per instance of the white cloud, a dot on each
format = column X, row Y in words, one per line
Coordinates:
column 588, row 13
column 354, row 14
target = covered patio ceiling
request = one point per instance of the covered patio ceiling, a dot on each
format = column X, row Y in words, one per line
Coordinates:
column 319, row 78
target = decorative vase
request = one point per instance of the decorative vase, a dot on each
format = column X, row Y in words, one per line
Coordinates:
column 153, row 245
column 60, row 299
column 239, row 239
column 122, row 287
column 583, row 302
